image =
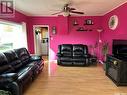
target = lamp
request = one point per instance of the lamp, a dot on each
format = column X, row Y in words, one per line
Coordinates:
column 99, row 30
column 75, row 22
column 54, row 30
column 66, row 13
column 37, row 30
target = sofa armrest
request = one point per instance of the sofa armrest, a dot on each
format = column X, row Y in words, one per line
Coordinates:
column 9, row 77
column 59, row 54
column 87, row 55
column 35, row 57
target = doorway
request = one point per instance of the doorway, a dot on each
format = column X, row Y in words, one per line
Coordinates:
column 41, row 40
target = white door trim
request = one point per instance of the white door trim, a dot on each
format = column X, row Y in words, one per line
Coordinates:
column 34, row 27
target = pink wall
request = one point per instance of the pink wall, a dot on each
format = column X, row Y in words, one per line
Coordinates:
column 121, row 31
column 18, row 18
column 66, row 32
column 63, row 37
column 51, row 21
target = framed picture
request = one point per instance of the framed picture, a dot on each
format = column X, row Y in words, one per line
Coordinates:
column 54, row 30
column 75, row 22
column 113, row 22
column 88, row 22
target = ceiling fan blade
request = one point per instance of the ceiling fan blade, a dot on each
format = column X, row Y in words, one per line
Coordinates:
column 77, row 12
column 72, row 9
column 57, row 13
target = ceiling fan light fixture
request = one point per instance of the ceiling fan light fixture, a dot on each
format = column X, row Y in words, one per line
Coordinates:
column 67, row 10
column 66, row 13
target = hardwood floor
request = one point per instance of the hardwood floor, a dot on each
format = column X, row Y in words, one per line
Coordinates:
column 73, row 81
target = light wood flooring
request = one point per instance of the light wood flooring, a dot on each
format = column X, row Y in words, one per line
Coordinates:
column 73, row 81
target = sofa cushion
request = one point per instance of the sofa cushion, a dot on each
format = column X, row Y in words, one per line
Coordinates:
column 23, row 55
column 35, row 58
column 13, row 59
column 78, row 50
column 9, row 77
column 5, row 68
column 77, row 53
column 3, row 59
column 66, row 53
column 66, row 63
column 10, row 55
column 9, row 70
column 66, row 59
column 66, row 50
column 79, row 63
column 79, row 59
column 85, row 49
column 66, row 47
column 24, row 73
column 16, row 64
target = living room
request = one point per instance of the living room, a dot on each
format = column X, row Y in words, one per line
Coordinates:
column 80, row 23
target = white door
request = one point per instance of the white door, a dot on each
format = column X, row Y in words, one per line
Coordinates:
column 45, row 46
column 41, row 39
column 38, row 43
column 45, row 41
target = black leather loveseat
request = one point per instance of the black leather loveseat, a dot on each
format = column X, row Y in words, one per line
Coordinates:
column 17, row 68
column 73, row 54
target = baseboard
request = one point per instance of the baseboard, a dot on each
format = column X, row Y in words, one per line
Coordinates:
column 53, row 61
column 100, row 61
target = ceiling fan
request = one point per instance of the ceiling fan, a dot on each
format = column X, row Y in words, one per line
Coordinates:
column 67, row 10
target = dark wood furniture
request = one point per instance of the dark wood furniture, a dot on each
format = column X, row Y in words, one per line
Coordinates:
column 116, row 70
column 85, row 26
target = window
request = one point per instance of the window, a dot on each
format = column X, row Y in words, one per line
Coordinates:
column 12, row 36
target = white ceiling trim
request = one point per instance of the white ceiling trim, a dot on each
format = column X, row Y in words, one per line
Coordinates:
column 114, row 8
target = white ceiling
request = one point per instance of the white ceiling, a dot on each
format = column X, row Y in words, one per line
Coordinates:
column 48, row 7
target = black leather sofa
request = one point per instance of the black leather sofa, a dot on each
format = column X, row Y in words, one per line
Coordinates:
column 17, row 69
column 73, row 54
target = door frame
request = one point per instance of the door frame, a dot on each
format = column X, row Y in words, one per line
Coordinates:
column 34, row 27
